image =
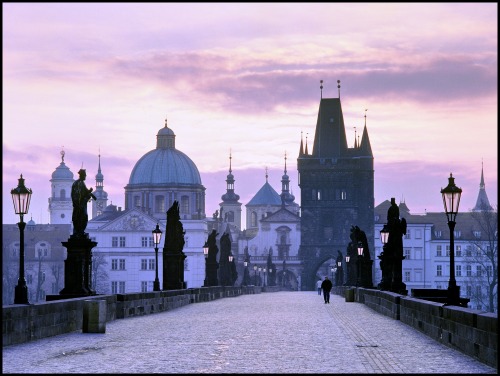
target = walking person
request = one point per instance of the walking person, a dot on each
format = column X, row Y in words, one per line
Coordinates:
column 318, row 286
column 326, row 285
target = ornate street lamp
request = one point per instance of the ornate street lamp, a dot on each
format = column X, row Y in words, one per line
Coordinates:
column 340, row 274
column 347, row 258
column 156, row 239
column 260, row 268
column 451, row 200
column 360, row 254
column 21, row 197
column 386, row 260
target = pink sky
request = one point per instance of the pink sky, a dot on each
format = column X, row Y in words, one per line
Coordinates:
column 94, row 77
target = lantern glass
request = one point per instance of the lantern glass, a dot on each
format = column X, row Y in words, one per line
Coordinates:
column 157, row 235
column 360, row 249
column 384, row 235
column 347, row 258
column 255, row 267
column 231, row 258
column 339, row 263
column 205, row 250
column 245, row 263
column 21, row 197
column 451, row 198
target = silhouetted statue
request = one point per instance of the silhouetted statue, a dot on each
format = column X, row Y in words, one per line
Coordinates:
column 224, row 267
column 80, row 195
column 174, row 237
column 212, row 246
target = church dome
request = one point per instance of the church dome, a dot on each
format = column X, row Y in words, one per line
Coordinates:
column 165, row 164
column 62, row 172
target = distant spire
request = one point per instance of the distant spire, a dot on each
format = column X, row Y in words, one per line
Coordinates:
column 482, row 202
column 230, row 157
column 62, row 154
column 266, row 174
column 166, row 126
column 355, row 145
column 321, row 87
column 301, row 151
column 338, row 86
column 365, row 115
column 285, row 162
column 306, row 152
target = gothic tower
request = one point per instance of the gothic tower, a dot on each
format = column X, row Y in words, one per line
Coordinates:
column 101, row 201
column 337, row 190
column 230, row 207
column 60, row 204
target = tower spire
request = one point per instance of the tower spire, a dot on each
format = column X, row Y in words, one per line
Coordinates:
column 266, row 174
column 338, row 86
column 321, row 87
column 306, row 152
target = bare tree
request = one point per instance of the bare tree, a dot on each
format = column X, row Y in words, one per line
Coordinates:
column 57, row 271
column 100, row 278
column 483, row 254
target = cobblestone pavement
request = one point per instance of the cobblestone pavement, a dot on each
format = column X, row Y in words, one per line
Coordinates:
column 281, row 332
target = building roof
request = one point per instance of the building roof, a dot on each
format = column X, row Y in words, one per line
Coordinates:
column 265, row 196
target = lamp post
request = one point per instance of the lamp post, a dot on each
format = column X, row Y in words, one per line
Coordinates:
column 347, row 258
column 451, row 200
column 386, row 260
column 340, row 273
column 156, row 239
column 360, row 254
column 260, row 268
column 332, row 270
column 244, row 282
column 205, row 253
column 264, row 270
column 21, row 197
column 255, row 274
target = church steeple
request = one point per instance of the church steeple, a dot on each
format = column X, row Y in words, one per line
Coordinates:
column 101, row 201
column 482, row 202
column 230, row 205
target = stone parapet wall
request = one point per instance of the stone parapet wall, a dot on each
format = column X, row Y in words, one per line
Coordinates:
column 23, row 323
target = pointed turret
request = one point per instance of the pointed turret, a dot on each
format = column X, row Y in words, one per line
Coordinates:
column 482, row 202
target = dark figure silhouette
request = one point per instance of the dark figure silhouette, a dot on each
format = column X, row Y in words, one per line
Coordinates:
column 224, row 267
column 326, row 286
column 80, row 195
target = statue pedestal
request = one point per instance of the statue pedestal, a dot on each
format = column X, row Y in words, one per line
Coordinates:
column 173, row 271
column 77, row 267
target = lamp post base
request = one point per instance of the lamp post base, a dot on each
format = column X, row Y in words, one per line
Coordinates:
column 453, row 295
column 156, row 285
column 21, row 294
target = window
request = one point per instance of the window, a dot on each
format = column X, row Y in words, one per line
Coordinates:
column 438, row 234
column 343, row 195
column 137, row 201
column 144, row 241
column 114, row 264
column 144, row 286
column 122, row 241
column 122, row 264
column 121, row 287
column 144, row 264
column 151, row 243
column 458, row 251
column 114, row 241
column 114, row 287
column 439, row 270
column 407, row 253
column 29, row 279
column 407, row 276
column 447, row 251
column 253, row 219
column 438, row 251
column 458, row 270
column 478, row 290
column 488, row 270
column 457, row 234
column 418, row 234
column 151, row 264
column 477, row 234
column 468, row 290
column 469, row 271
column 408, row 234
column 184, row 209
column 160, row 204
column 479, row 272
